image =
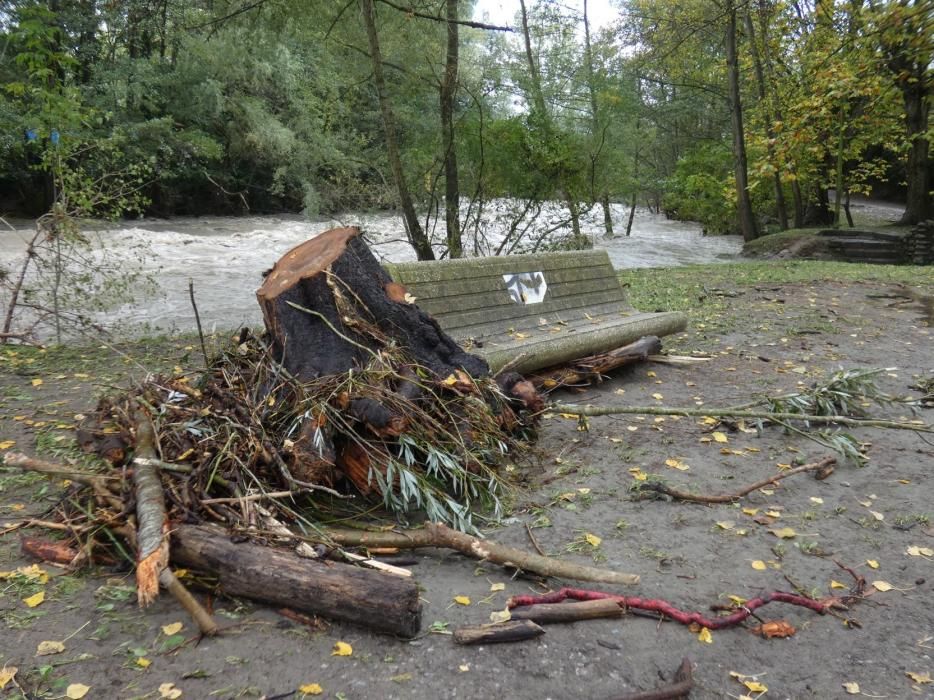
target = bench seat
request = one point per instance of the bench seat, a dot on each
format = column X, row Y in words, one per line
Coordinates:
column 531, row 311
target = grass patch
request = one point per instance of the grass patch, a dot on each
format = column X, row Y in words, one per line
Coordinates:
column 687, row 288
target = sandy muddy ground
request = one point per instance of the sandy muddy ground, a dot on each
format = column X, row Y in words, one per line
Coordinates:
column 772, row 339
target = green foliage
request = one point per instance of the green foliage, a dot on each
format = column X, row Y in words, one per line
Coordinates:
column 699, row 189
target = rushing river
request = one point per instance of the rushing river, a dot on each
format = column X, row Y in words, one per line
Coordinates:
column 225, row 256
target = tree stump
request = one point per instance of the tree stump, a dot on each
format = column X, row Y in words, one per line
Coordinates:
column 325, row 300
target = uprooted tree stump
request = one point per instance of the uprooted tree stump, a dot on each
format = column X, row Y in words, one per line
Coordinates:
column 330, row 309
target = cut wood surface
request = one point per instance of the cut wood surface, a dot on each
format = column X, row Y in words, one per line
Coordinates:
column 438, row 535
column 378, row 601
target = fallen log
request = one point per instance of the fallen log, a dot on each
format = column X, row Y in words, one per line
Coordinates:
column 591, row 370
column 438, row 535
column 152, row 522
column 498, row 632
column 378, row 601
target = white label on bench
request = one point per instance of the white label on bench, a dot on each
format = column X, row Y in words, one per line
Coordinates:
column 526, row 287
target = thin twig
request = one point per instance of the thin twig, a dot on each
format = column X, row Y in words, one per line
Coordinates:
column 730, row 497
column 194, row 306
column 578, row 410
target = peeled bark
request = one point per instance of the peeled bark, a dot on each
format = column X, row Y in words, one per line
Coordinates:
column 152, row 523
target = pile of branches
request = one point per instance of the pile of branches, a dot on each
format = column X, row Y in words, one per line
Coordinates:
column 246, row 431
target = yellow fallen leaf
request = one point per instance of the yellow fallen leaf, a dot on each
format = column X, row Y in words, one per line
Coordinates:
column 755, row 687
column 143, row 662
column 737, row 600
column 463, row 668
column 920, row 678
column 172, row 628
column 49, row 647
column 650, row 373
column 750, row 511
column 7, row 444
column 877, row 515
column 882, row 586
column 817, row 500
column 851, row 688
column 593, row 540
column 311, row 689
column 638, row 474
column 915, row 551
column 34, row 572
column 657, row 396
column 726, row 524
column 719, row 437
column 773, row 513
column 76, row 691
column 34, row 600
column 676, row 464
column 462, row 599
column 758, row 565
column 6, row 675
column 168, row 690
column 873, row 564
column 409, row 299
column 767, row 492
column 836, row 584
column 705, row 636
column 342, row 649
column 497, row 587
column 784, row 533
column 449, row 380
column 500, row 616
column 37, row 382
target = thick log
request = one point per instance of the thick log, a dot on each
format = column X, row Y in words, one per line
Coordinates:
column 321, row 296
column 569, row 612
column 152, row 523
column 510, row 631
column 378, row 601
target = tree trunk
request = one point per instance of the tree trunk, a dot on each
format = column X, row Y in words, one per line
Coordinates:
column 747, row 222
column 381, row 602
column 448, row 90
column 416, row 234
column 917, row 112
column 769, row 130
column 595, row 125
column 541, row 110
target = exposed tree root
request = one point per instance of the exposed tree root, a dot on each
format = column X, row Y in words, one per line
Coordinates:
column 684, row 617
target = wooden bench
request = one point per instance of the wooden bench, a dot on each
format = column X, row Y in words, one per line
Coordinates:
column 531, row 311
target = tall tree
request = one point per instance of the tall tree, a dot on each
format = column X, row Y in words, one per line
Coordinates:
column 906, row 30
column 416, row 234
column 747, row 221
column 541, row 116
column 596, row 125
column 448, row 145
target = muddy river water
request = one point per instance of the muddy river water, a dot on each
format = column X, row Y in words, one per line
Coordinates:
column 225, row 256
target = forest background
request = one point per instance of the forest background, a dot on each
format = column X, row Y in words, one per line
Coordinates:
column 743, row 115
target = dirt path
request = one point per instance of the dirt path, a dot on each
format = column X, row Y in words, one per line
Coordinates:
column 771, row 339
